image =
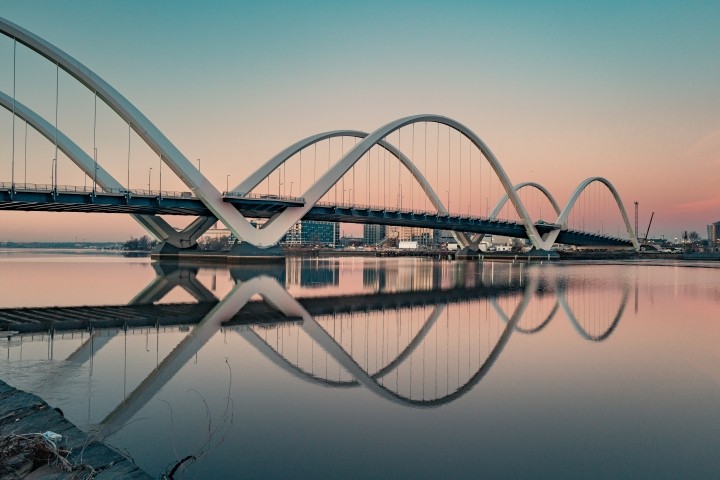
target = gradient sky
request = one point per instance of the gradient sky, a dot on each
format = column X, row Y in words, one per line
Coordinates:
column 560, row 91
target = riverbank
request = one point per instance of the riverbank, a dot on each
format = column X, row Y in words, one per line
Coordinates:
column 25, row 451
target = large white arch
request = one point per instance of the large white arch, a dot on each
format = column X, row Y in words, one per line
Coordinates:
column 274, row 229
column 563, row 217
column 257, row 177
column 155, row 225
column 474, row 240
column 145, row 129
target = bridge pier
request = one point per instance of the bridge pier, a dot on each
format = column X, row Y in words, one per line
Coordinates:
column 467, row 253
column 240, row 252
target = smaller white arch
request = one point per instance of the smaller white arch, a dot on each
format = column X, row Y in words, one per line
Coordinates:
column 518, row 187
column 477, row 238
column 562, row 218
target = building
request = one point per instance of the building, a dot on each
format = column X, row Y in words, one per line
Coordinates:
column 373, row 234
column 312, row 233
column 423, row 236
column 713, row 231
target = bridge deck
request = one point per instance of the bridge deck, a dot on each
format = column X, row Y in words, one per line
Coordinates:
column 143, row 202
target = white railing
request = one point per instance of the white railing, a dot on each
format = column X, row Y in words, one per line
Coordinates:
column 44, row 187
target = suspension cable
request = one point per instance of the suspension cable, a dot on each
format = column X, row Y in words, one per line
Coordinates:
column 12, row 174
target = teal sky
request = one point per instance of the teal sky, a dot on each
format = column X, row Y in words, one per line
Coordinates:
column 565, row 90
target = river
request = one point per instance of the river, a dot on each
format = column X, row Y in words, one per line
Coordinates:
column 375, row 368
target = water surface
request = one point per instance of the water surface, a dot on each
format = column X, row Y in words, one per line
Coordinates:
column 369, row 368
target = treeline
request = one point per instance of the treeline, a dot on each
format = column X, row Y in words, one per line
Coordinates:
column 142, row 244
column 100, row 245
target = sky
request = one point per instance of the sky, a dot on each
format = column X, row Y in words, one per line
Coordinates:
column 559, row 91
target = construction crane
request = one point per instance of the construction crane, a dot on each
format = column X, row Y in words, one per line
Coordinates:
column 647, row 232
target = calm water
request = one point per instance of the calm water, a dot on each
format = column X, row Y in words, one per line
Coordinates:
column 366, row 368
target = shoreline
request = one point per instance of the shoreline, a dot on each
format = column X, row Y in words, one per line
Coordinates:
column 22, row 414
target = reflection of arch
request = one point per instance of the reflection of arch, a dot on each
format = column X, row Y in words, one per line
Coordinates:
column 562, row 299
column 327, row 342
column 238, row 297
column 169, row 276
column 276, row 296
column 537, row 329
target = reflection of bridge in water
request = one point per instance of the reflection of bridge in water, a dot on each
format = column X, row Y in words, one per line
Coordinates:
column 424, row 342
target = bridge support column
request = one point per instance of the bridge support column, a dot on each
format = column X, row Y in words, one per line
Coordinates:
column 467, row 253
column 239, row 253
column 246, row 252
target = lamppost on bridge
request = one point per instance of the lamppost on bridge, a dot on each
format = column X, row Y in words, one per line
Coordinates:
column 149, row 177
column 52, row 174
column 448, row 206
column 198, row 160
column 227, row 183
column 95, row 169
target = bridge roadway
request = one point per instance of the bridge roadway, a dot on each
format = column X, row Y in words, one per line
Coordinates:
column 67, row 319
column 37, row 197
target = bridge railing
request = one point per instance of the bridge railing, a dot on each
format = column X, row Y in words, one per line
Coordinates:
column 45, row 187
column 264, row 196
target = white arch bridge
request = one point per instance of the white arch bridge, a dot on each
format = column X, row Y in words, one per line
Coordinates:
column 361, row 182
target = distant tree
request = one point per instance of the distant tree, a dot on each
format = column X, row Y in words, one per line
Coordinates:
column 139, row 244
column 693, row 236
column 214, row 244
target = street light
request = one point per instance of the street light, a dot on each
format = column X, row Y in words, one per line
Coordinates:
column 95, row 168
column 448, row 207
column 149, row 177
column 227, row 183
column 198, row 160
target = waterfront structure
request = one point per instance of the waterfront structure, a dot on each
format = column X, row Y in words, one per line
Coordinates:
column 713, row 231
column 313, row 233
column 373, row 233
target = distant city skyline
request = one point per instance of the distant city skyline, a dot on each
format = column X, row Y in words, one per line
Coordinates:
column 559, row 91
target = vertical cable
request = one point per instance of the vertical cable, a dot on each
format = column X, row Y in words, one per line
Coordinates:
column 12, row 174
column 25, row 166
column 57, row 94
column 449, row 173
column 399, row 169
column 95, row 144
column 425, row 164
column 412, row 182
column 460, row 171
column 128, row 161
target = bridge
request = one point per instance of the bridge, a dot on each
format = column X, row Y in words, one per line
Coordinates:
column 361, row 339
column 394, row 175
